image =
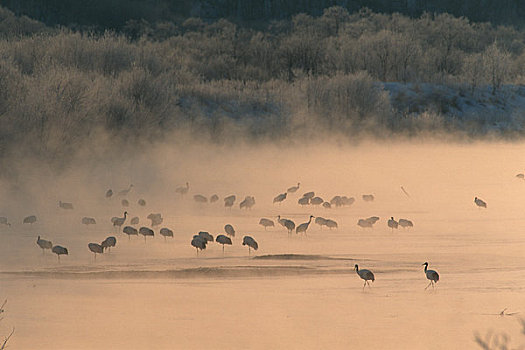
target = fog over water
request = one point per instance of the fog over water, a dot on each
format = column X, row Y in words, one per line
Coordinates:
column 297, row 291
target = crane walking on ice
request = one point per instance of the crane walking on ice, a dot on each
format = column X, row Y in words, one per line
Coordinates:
column 432, row 275
column 365, row 274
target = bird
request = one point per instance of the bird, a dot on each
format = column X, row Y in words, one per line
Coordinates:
column 222, row 239
column 59, row 250
column 4, row 221
column 29, row 219
column 368, row 197
column 42, row 243
column 228, row 201
column 199, row 243
column 364, row 223
column 183, row 190
column 521, row 176
column 303, row 201
column 118, row 222
column 365, row 274
column 230, row 231
column 130, row 231
column 266, row 223
column 304, row 226
column 327, row 205
column 330, row 224
column 337, row 201
column 309, row 195
column 392, row 223
column 88, row 221
column 95, row 248
column 166, row 232
column 293, row 189
column 214, row 198
column 288, row 224
column 247, row 203
column 146, row 231
column 505, row 313
column 141, row 202
column 251, row 243
column 320, row 221
column 126, row 191
column 432, row 275
column 134, row 220
column 199, row 198
column 279, row 198
column 63, row 205
column 480, row 203
column 404, row 223
column 124, row 202
column 206, row 235
column 109, row 193
column 156, row 219
column 109, row 242
column 372, row 219
column 316, row 201
column 347, row 200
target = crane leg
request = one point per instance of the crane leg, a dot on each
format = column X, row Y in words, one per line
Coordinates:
column 364, row 285
column 428, row 285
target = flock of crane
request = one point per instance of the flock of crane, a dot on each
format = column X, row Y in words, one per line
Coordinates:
column 200, row 240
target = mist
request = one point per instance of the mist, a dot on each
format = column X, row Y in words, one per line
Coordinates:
column 169, row 115
column 292, row 285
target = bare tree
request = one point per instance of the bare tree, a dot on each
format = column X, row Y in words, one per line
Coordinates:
column 496, row 63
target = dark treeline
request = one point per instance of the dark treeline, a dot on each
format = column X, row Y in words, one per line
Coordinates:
column 114, row 14
column 294, row 80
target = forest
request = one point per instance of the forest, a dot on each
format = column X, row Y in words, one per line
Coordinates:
column 341, row 75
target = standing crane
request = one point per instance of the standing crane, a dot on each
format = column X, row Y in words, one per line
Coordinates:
column 432, row 275
column 251, row 243
column 393, row 224
column 480, row 202
column 293, row 189
column 365, row 274
column 42, row 243
column 95, row 248
column 304, row 226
